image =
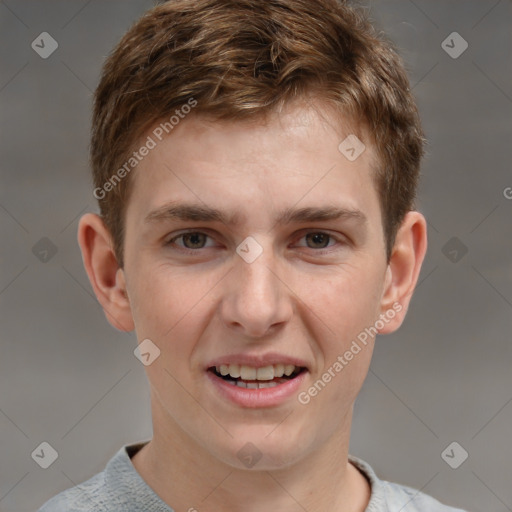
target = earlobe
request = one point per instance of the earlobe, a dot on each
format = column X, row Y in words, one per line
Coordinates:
column 403, row 269
column 106, row 277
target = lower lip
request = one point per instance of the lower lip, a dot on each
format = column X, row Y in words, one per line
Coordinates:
column 266, row 397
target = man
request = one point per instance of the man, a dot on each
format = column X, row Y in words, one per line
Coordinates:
column 256, row 166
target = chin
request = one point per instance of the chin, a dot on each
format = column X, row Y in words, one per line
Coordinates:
column 262, row 448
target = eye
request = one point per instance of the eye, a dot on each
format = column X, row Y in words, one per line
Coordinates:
column 191, row 240
column 318, row 240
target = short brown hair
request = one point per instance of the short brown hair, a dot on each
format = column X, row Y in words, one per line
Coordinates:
column 243, row 59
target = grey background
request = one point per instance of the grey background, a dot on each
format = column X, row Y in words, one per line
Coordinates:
column 68, row 378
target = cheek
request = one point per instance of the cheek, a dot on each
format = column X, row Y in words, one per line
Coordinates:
column 172, row 309
column 166, row 298
column 346, row 301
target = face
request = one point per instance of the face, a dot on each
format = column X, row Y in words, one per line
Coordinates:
column 253, row 250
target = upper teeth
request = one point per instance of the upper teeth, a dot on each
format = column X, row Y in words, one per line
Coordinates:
column 251, row 373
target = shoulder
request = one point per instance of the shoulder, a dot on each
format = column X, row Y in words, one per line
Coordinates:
column 117, row 487
column 407, row 499
column 111, row 489
column 88, row 496
column 393, row 497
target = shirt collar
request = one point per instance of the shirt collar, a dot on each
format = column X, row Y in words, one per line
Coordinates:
column 135, row 492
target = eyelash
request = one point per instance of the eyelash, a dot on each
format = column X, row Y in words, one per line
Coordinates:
column 195, row 252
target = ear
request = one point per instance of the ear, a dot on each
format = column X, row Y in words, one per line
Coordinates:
column 403, row 270
column 105, row 275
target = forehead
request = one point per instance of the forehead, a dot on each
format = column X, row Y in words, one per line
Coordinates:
column 301, row 156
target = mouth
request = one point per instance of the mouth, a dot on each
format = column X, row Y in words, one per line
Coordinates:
column 250, row 377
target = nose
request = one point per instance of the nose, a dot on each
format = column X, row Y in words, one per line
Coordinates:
column 256, row 299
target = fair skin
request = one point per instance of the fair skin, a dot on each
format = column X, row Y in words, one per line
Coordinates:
column 305, row 297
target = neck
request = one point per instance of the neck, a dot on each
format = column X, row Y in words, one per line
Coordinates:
column 187, row 477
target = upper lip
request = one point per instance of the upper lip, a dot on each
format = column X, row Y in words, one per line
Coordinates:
column 257, row 361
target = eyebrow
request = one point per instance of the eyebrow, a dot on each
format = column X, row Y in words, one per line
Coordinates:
column 202, row 213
